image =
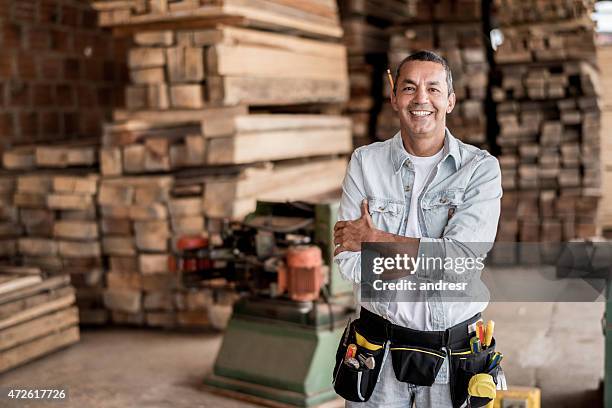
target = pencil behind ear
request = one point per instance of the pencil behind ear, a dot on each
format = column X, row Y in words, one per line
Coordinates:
column 390, row 80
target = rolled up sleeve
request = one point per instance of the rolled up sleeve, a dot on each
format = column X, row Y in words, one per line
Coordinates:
column 353, row 193
column 471, row 232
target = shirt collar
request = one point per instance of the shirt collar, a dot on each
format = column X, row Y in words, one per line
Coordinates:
column 399, row 154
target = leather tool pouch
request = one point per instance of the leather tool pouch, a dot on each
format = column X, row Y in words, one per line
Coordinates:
column 357, row 384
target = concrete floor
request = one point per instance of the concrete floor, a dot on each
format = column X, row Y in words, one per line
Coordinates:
column 555, row 346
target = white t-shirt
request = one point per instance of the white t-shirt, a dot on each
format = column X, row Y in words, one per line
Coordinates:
column 423, row 166
column 416, row 312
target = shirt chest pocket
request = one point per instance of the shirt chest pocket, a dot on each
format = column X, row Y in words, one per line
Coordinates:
column 386, row 214
column 438, row 208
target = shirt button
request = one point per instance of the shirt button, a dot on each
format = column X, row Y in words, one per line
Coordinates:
column 407, row 188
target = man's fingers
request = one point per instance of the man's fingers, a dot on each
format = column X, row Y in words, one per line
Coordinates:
column 364, row 208
column 339, row 249
column 339, row 225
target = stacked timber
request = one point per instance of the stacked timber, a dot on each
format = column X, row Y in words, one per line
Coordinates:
column 453, row 29
column 37, row 315
column 548, row 113
column 55, row 194
column 10, row 226
column 221, row 110
column 365, row 24
column 142, row 218
column 604, row 60
column 317, row 19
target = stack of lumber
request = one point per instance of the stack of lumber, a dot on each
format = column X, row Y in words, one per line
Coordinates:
column 194, row 69
column 142, row 218
column 54, row 195
column 604, row 60
column 367, row 41
column 10, row 227
column 315, row 19
column 222, row 137
column 453, row 29
column 37, row 315
column 547, row 109
column 228, row 102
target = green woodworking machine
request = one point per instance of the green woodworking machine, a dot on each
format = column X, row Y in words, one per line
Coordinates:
column 281, row 340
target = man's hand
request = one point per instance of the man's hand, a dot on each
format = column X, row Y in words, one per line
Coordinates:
column 348, row 235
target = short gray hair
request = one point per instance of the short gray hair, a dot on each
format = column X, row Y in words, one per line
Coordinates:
column 425, row 55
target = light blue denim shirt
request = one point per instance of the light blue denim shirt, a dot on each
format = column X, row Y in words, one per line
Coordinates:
column 459, row 205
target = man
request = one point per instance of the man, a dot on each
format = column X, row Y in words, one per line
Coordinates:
column 427, row 191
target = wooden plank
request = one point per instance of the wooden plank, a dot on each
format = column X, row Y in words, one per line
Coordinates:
column 37, row 311
column 10, row 283
column 29, row 351
column 146, row 57
column 185, row 64
column 254, row 147
column 235, row 198
column 69, row 201
column 128, row 301
column 232, row 11
column 42, row 326
column 190, row 96
column 37, row 246
column 179, row 115
column 153, row 263
column 51, row 283
column 225, row 126
column 228, row 35
column 281, row 91
column 74, row 249
column 264, row 62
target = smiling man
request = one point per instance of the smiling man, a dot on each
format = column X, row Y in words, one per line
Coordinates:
column 429, row 193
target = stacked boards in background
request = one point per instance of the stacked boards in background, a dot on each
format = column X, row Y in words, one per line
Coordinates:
column 319, row 19
column 549, row 120
column 454, row 30
column 37, row 315
column 54, row 195
column 222, row 109
column 604, row 60
column 365, row 24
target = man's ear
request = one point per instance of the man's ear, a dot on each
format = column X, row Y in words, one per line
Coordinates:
column 394, row 101
column 451, row 102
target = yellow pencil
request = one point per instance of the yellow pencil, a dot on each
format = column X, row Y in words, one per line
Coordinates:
column 390, row 79
column 489, row 332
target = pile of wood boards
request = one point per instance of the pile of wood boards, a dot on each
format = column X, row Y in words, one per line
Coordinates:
column 10, row 227
column 54, row 194
column 219, row 113
column 142, row 218
column 365, row 24
column 604, row 60
column 222, row 137
column 545, row 90
column 318, row 18
column 37, row 315
column 230, row 65
column 453, row 29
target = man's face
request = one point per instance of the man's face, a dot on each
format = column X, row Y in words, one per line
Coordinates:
column 421, row 98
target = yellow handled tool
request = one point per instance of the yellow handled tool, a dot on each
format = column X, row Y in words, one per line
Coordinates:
column 489, row 332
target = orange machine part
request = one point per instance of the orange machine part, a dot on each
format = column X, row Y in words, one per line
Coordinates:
column 302, row 275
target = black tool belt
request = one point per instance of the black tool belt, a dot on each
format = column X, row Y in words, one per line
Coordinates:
column 416, row 357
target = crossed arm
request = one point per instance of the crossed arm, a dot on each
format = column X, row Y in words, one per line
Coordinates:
column 475, row 221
